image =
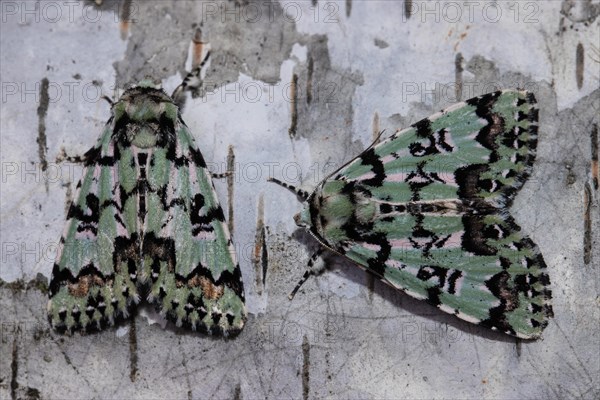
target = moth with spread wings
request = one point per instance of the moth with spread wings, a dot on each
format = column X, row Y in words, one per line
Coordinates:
column 427, row 210
column 146, row 222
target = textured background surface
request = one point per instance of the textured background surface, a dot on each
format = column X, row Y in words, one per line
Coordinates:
column 359, row 67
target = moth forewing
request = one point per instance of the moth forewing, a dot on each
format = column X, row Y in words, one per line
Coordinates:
column 426, row 210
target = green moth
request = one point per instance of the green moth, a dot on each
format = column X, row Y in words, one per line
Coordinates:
column 146, row 223
column 427, row 211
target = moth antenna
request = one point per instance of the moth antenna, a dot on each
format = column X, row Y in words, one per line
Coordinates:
column 309, row 271
column 303, row 194
column 381, row 132
column 192, row 80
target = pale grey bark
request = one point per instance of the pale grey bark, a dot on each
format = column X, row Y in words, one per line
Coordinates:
column 359, row 67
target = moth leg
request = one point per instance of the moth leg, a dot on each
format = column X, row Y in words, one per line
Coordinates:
column 223, row 175
column 63, row 156
column 84, row 159
column 108, row 99
column 316, row 265
column 303, row 194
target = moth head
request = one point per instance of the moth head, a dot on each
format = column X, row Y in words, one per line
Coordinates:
column 149, row 83
column 302, row 219
column 144, row 113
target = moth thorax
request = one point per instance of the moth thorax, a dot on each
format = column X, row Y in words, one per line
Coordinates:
column 143, row 136
column 145, row 107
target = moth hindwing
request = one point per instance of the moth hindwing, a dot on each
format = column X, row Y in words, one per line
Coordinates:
column 146, row 223
column 426, row 210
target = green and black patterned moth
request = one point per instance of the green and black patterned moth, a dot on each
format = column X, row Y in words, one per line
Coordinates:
column 427, row 211
column 146, row 223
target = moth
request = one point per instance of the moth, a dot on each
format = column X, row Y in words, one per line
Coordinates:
column 427, row 211
column 146, row 223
